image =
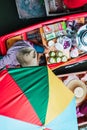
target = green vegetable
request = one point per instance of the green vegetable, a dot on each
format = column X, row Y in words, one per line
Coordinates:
column 52, row 54
column 59, row 53
column 52, row 60
column 64, row 58
column 58, row 59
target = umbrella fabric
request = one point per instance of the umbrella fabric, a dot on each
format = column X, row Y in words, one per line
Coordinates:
column 35, row 99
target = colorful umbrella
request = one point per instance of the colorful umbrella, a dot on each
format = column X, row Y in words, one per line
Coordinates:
column 35, row 99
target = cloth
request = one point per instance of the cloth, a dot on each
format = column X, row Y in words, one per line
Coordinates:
column 38, row 48
column 75, row 3
column 10, row 58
